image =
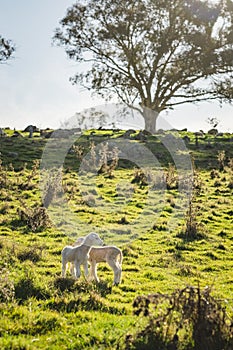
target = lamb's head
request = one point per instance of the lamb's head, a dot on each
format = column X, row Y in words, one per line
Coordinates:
column 79, row 241
column 93, row 239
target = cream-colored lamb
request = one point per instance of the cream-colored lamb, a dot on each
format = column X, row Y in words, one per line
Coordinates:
column 78, row 255
column 110, row 254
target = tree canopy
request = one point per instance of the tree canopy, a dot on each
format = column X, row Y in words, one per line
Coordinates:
column 152, row 54
column 6, row 49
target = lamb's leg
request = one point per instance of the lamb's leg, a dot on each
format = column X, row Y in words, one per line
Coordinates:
column 85, row 265
column 77, row 268
column 63, row 269
column 93, row 271
column 118, row 275
column 116, row 270
column 72, row 269
column 91, row 274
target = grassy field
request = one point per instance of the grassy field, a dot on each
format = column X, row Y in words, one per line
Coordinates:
column 171, row 237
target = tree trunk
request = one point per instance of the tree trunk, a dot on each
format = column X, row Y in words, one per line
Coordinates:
column 150, row 116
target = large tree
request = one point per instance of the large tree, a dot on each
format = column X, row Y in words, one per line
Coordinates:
column 6, row 49
column 152, row 54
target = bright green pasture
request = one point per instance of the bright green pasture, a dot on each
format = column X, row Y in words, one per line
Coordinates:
column 40, row 310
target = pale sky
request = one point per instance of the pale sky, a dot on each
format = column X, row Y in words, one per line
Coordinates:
column 35, row 87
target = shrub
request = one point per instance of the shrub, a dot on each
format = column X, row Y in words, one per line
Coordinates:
column 103, row 159
column 230, row 164
column 214, row 173
column 171, row 177
column 28, row 184
column 36, row 218
column 109, row 161
column 139, row 178
column 78, row 150
column 230, row 184
column 4, row 181
column 4, row 208
column 193, row 227
column 123, row 221
column 189, row 319
column 217, row 183
column 197, row 183
column 52, row 185
column 221, row 160
column 7, row 290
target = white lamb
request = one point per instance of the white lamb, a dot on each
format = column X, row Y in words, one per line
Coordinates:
column 110, row 254
column 78, row 255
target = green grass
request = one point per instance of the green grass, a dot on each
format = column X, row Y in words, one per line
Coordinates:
column 40, row 310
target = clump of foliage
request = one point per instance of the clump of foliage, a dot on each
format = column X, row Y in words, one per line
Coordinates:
column 139, row 177
column 7, row 289
column 230, row 171
column 221, row 160
column 214, row 174
column 230, row 185
column 108, row 160
column 213, row 121
column 35, row 218
column 3, row 176
column 29, row 183
column 193, row 227
column 7, row 49
column 52, row 185
column 189, row 318
column 192, row 224
column 101, row 159
column 171, row 177
column 230, row 164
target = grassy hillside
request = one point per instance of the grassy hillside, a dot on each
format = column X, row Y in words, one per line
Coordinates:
column 166, row 246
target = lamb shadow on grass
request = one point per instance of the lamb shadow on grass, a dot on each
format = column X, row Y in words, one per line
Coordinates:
column 83, row 296
column 92, row 303
column 25, row 288
column 71, row 285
